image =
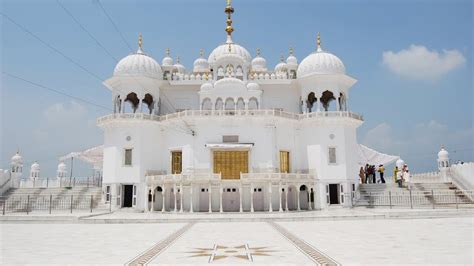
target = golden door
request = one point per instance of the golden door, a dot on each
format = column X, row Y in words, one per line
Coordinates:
column 176, row 162
column 231, row 163
column 284, row 162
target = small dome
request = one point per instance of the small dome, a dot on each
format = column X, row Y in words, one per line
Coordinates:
column 167, row 61
column 281, row 67
column 443, row 154
column 259, row 64
column 253, row 86
column 179, row 67
column 223, row 50
column 35, row 167
column 201, row 65
column 17, row 159
column 61, row 167
column 138, row 64
column 320, row 62
column 291, row 61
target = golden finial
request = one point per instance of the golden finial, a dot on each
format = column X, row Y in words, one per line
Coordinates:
column 258, row 51
column 291, row 51
column 282, row 58
column 201, row 52
column 178, row 60
column 319, row 40
column 229, row 10
column 206, row 77
column 140, row 41
column 167, row 51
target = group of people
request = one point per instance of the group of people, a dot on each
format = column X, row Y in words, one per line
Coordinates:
column 401, row 175
column 368, row 174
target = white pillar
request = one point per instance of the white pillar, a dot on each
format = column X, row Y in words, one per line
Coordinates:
column 152, row 200
column 251, row 198
column 175, row 199
column 279, row 197
column 191, row 210
column 220, row 199
column 298, row 197
column 210, row 197
column 163, row 194
column 240, row 198
column 181, row 192
column 286, row 198
column 270, row 207
column 309, row 198
column 338, row 106
column 319, row 104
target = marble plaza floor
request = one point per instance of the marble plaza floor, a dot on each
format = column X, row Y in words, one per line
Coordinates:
column 399, row 241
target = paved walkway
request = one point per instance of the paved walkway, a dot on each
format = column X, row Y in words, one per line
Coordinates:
column 377, row 242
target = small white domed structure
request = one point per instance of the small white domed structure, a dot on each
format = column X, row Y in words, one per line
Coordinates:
column 229, row 50
column 62, row 170
column 206, row 86
column 259, row 64
column 443, row 158
column 201, row 65
column 320, row 62
column 281, row 67
column 17, row 160
column 253, row 86
column 167, row 60
column 179, row 67
column 138, row 64
column 291, row 60
column 35, row 170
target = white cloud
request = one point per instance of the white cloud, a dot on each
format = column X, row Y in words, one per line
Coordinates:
column 379, row 137
column 59, row 113
column 417, row 62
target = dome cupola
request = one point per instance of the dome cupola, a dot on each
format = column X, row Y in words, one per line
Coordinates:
column 320, row 62
column 259, row 64
column 201, row 64
column 138, row 64
column 17, row 160
column 167, row 60
column 291, row 61
column 178, row 66
column 281, row 67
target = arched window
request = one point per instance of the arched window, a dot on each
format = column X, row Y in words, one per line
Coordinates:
column 219, row 104
column 253, row 103
column 206, row 104
column 326, row 99
column 229, row 104
column 148, row 100
column 132, row 98
column 311, row 102
column 240, row 104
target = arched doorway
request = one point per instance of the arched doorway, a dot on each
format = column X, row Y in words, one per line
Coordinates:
column 132, row 98
column 148, row 100
column 310, row 102
column 204, row 200
column 283, row 199
column 304, row 197
column 230, row 199
column 158, row 199
column 258, row 201
column 292, row 198
column 326, row 99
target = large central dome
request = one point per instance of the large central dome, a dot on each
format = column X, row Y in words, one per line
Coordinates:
column 229, row 49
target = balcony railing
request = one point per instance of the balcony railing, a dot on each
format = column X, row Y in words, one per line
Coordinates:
column 240, row 113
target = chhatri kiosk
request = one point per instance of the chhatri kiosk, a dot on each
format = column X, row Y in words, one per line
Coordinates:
column 231, row 134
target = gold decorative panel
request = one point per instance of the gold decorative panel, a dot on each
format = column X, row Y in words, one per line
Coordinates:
column 176, row 162
column 284, row 161
column 231, row 163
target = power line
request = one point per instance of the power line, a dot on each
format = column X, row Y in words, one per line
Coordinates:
column 51, row 47
column 84, row 29
column 56, row 91
column 115, row 26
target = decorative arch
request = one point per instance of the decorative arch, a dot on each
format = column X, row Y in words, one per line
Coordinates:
column 148, row 100
column 304, row 197
column 326, row 98
column 132, row 98
column 310, row 102
column 219, row 104
column 229, row 104
column 240, row 104
column 206, row 104
column 253, row 103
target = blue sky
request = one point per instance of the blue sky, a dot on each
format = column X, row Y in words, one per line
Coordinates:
column 412, row 59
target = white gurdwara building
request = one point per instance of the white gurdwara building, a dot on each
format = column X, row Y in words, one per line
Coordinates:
column 230, row 135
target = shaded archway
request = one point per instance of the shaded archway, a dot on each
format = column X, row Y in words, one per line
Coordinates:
column 258, row 199
column 240, row 104
column 219, row 104
column 292, row 198
column 132, row 98
column 230, row 199
column 326, row 98
column 304, row 198
column 229, row 104
column 253, row 103
column 206, row 104
column 148, row 100
column 310, row 102
column 158, row 199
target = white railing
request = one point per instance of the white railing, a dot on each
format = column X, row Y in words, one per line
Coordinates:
column 183, row 178
column 430, row 177
column 462, row 175
column 54, row 182
column 207, row 113
column 277, row 176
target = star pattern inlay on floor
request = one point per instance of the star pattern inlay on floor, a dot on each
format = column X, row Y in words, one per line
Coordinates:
column 219, row 252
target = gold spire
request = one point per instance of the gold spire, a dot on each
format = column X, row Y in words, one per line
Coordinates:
column 167, row 51
column 229, row 10
column 140, row 41
column 319, row 40
column 282, row 58
column 291, row 50
column 178, row 60
column 201, row 52
column 258, row 51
